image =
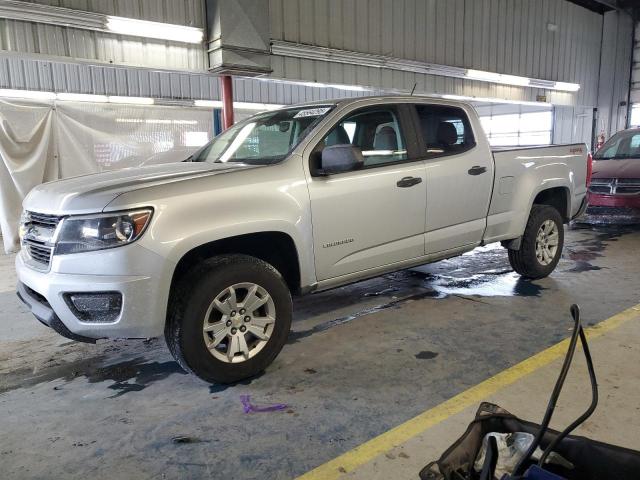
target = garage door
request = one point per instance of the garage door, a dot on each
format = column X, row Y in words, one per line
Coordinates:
column 635, row 80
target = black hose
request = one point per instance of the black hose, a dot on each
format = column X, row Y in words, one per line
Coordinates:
column 588, row 412
column 575, row 312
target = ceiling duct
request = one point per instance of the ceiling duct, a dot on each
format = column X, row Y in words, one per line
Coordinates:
column 239, row 35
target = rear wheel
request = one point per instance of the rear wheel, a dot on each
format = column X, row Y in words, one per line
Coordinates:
column 229, row 318
column 542, row 243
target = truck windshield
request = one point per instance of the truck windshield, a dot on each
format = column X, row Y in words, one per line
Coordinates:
column 263, row 139
column 622, row 145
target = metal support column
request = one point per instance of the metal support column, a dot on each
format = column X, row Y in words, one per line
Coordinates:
column 227, row 100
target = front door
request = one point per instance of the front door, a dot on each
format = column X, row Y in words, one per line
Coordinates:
column 373, row 216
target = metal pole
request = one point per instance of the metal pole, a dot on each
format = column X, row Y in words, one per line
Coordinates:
column 227, row 100
column 217, row 122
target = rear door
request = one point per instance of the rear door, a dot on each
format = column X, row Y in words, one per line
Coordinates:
column 373, row 216
column 459, row 177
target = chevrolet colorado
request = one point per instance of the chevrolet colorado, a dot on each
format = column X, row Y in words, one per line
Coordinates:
column 306, row 198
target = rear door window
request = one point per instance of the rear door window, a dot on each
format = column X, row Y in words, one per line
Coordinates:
column 444, row 130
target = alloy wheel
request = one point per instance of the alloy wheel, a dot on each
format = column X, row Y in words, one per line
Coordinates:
column 239, row 322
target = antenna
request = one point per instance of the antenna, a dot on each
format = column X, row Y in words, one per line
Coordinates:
column 414, row 88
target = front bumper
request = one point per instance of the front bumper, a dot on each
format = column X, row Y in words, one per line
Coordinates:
column 144, row 296
column 41, row 309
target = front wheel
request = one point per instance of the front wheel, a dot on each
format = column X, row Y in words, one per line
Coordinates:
column 229, row 318
column 542, row 243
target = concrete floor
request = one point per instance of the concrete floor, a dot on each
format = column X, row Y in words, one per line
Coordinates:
column 360, row 360
column 616, row 354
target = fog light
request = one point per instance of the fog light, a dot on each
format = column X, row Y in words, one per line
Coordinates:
column 98, row 307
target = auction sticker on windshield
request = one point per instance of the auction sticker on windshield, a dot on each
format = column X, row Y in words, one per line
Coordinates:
column 312, row 112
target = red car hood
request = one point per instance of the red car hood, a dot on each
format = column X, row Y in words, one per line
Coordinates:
column 627, row 168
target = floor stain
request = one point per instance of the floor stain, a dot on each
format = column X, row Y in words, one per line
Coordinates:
column 183, row 439
column 142, row 372
column 295, row 336
column 607, row 229
column 426, row 355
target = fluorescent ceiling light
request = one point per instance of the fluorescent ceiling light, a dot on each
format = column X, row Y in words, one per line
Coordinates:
column 82, row 97
column 208, row 103
column 521, row 81
column 498, row 78
column 153, row 121
column 133, row 100
column 255, row 106
column 335, row 55
column 237, row 105
column 494, row 100
column 161, row 31
column 85, row 97
column 569, row 87
column 351, row 88
column 99, row 22
column 31, row 94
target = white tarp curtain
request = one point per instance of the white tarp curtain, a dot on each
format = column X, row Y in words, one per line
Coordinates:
column 42, row 141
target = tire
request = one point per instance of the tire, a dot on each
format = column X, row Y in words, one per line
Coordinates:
column 192, row 307
column 526, row 261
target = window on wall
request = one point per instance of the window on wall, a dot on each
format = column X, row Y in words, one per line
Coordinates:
column 518, row 129
column 634, row 121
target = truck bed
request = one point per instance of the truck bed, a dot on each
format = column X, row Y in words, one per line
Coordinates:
column 521, row 173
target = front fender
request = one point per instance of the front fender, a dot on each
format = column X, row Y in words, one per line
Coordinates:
column 198, row 211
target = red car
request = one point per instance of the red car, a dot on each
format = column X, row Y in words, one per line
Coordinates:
column 615, row 177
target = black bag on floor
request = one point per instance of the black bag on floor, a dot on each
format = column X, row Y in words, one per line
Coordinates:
column 590, row 459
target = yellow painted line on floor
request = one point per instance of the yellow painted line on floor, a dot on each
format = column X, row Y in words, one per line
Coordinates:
column 362, row 454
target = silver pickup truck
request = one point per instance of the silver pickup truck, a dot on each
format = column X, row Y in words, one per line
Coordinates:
column 291, row 201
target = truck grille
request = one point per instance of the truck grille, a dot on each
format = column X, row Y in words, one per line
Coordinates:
column 615, row 186
column 39, row 230
column 38, row 252
column 44, row 220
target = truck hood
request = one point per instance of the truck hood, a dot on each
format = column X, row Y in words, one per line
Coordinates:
column 92, row 193
column 625, row 168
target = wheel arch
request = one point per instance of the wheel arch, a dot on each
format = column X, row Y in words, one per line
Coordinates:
column 274, row 247
column 558, row 197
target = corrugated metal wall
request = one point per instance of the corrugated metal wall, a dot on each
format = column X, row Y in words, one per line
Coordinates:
column 26, row 37
column 635, row 75
column 573, row 124
column 25, row 72
column 179, row 12
column 504, row 36
column 617, row 53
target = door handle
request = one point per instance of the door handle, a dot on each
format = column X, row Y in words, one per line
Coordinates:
column 477, row 170
column 407, row 182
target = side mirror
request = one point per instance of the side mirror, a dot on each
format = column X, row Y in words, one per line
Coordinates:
column 340, row 158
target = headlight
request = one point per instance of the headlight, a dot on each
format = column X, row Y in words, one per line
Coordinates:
column 97, row 232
